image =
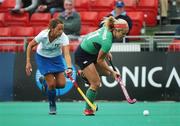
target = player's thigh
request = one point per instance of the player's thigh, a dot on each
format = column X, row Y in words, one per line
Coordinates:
column 101, row 70
column 60, row 79
column 50, row 80
column 91, row 74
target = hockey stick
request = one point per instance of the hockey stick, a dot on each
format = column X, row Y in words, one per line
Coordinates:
column 119, row 80
column 93, row 106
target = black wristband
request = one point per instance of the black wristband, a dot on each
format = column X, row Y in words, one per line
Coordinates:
column 70, row 68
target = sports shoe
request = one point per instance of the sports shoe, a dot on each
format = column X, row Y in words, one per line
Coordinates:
column 81, row 75
column 43, row 83
column 88, row 112
column 52, row 109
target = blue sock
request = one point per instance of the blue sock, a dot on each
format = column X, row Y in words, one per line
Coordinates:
column 52, row 97
column 44, row 84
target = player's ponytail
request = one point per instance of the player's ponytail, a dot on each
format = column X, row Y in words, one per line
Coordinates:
column 109, row 22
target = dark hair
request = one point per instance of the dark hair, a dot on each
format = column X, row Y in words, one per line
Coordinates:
column 54, row 22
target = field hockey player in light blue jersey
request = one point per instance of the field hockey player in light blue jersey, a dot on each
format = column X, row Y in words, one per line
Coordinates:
column 52, row 44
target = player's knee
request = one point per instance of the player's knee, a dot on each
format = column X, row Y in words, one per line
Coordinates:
column 60, row 84
column 96, row 83
column 51, row 86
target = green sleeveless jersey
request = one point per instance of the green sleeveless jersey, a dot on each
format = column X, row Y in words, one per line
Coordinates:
column 100, row 39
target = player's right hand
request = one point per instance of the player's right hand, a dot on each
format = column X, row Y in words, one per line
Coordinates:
column 28, row 69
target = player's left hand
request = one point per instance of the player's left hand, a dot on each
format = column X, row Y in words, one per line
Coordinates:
column 69, row 71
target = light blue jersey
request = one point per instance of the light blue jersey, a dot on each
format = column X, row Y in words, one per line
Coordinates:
column 50, row 49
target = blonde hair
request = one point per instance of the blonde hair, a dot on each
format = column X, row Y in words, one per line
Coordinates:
column 109, row 22
column 112, row 23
